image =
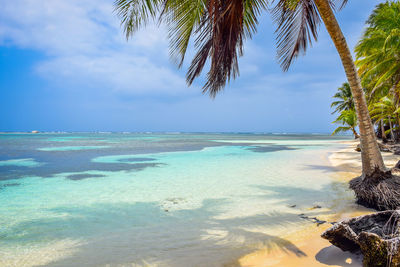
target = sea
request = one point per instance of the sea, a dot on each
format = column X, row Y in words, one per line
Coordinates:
column 159, row 199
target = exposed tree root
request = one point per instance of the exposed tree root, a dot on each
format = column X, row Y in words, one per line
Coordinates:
column 380, row 191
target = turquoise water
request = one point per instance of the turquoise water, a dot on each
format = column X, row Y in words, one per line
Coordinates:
column 68, row 148
column 156, row 199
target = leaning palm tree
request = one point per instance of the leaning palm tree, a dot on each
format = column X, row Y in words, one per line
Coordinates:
column 344, row 99
column 348, row 120
column 219, row 29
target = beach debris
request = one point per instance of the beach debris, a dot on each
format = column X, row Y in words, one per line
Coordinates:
column 315, row 207
column 174, row 200
column 172, row 203
column 312, row 219
column 375, row 235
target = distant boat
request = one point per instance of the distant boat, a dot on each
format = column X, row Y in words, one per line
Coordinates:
column 35, row 132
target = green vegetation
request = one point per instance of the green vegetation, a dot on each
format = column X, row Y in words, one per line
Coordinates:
column 343, row 99
column 387, row 111
column 378, row 51
column 344, row 105
column 378, row 62
column 348, row 118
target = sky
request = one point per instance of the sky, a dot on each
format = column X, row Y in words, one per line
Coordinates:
column 65, row 65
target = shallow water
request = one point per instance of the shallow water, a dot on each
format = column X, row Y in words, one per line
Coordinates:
column 156, row 199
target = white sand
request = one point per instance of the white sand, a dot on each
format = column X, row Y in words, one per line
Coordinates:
column 317, row 251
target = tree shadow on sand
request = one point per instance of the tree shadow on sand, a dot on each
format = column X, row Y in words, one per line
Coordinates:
column 347, row 167
column 290, row 195
column 143, row 233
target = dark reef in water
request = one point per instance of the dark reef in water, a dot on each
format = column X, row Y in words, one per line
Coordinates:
column 76, row 177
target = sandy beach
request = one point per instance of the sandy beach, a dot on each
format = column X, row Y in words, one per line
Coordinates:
column 306, row 247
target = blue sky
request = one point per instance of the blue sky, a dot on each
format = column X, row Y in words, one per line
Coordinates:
column 66, row 66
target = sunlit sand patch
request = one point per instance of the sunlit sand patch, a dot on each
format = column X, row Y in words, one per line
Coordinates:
column 303, row 248
column 71, row 148
column 348, row 161
column 37, row 255
column 319, row 252
column 29, row 162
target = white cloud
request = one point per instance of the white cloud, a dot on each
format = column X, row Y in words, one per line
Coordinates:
column 116, row 71
column 84, row 43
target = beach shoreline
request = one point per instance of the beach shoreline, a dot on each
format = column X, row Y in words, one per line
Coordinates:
column 264, row 209
column 344, row 164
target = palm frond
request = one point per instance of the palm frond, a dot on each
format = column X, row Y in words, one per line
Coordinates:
column 341, row 129
column 220, row 37
column 136, row 13
column 183, row 18
column 298, row 23
column 338, row 3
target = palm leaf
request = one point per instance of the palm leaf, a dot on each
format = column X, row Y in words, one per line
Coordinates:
column 341, row 129
column 297, row 25
column 220, row 37
column 136, row 13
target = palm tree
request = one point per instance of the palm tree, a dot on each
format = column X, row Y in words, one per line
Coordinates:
column 378, row 59
column 387, row 110
column 344, row 99
column 371, row 158
column 378, row 51
column 220, row 28
column 348, row 118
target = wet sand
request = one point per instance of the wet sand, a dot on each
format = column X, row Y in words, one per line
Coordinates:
column 306, row 247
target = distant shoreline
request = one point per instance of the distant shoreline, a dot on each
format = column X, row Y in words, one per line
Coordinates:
column 183, row 132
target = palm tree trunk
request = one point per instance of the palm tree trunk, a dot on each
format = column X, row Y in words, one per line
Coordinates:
column 370, row 154
column 391, row 128
column 356, row 136
column 393, row 90
column 396, row 140
column 382, row 125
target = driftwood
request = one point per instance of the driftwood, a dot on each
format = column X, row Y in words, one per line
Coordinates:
column 376, row 236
